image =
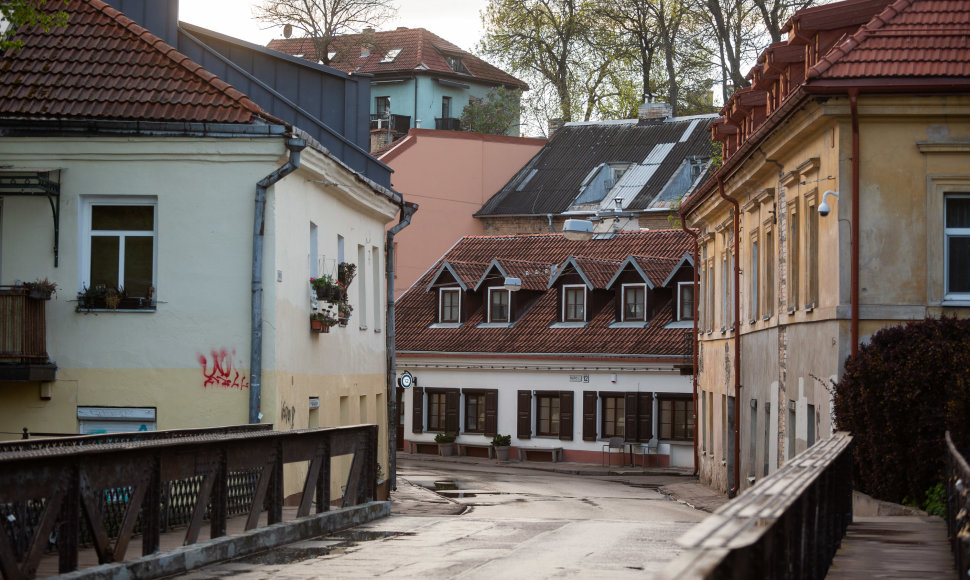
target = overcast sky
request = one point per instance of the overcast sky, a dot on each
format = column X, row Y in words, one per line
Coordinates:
column 457, row 21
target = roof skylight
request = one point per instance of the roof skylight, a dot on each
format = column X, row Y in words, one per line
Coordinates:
column 391, row 55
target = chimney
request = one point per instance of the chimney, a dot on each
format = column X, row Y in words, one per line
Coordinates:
column 554, row 125
column 652, row 112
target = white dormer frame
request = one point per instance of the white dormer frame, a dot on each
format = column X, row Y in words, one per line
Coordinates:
column 567, row 287
column 508, row 305
column 441, row 304
column 623, row 290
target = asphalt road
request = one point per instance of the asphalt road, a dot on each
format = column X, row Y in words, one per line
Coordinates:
column 499, row 522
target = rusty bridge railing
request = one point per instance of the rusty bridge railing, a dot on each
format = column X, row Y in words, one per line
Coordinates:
column 958, row 506
column 53, row 497
column 789, row 525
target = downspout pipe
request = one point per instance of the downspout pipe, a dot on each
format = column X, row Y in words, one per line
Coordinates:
column 737, row 337
column 393, row 416
column 295, row 146
column 694, row 342
column 854, row 240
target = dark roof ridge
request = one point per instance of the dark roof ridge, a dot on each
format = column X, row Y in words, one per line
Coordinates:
column 592, row 259
column 171, row 53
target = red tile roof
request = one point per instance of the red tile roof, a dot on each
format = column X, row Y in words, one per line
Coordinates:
column 421, row 51
column 416, row 310
column 102, row 65
column 910, row 38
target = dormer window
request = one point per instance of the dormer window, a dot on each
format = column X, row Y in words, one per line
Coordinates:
column 498, row 305
column 391, row 55
column 634, row 302
column 455, row 63
column 685, row 301
column 574, row 303
column 449, row 305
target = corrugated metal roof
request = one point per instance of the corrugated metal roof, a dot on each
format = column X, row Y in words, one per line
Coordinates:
column 654, row 150
column 102, row 65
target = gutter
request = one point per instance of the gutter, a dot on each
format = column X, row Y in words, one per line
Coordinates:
column 393, row 416
column 256, row 327
column 733, row 492
column 695, row 347
column 854, row 240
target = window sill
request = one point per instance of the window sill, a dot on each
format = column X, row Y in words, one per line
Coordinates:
column 810, row 308
column 568, row 325
column 377, row 331
column 952, row 302
column 494, row 325
column 147, row 310
column 680, row 324
column 446, row 325
column 362, row 328
column 632, row 324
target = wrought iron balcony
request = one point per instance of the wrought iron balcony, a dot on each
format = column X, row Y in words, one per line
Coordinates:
column 23, row 337
column 399, row 123
column 447, row 124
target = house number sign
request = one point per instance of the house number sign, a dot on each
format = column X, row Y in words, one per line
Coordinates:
column 578, row 378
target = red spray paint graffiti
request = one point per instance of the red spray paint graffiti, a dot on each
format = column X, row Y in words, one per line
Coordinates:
column 221, row 373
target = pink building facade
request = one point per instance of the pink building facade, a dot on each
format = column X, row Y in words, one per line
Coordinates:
column 450, row 174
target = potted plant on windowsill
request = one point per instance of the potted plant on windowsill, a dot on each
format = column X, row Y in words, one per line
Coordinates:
column 446, row 444
column 327, row 289
column 321, row 322
column 344, row 309
column 502, row 443
column 41, row 289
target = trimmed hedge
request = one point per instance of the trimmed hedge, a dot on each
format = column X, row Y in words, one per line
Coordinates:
column 898, row 397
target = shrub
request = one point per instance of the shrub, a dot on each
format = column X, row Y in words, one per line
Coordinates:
column 898, row 397
column 502, row 440
column 444, row 438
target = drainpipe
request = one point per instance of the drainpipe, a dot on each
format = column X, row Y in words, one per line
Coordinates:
column 737, row 338
column 854, row 240
column 256, row 341
column 694, row 341
column 407, row 210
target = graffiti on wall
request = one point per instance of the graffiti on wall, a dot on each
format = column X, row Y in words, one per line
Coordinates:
column 217, row 370
column 288, row 415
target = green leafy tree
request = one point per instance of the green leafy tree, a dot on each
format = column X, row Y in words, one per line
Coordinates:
column 497, row 114
column 898, row 396
column 17, row 13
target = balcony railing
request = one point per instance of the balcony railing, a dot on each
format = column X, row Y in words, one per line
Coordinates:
column 447, row 124
column 23, row 336
column 399, row 123
column 958, row 505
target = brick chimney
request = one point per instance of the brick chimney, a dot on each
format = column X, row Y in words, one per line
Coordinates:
column 652, row 112
column 554, row 125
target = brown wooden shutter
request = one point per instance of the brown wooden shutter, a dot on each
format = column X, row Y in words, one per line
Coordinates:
column 589, row 415
column 566, row 415
column 630, row 417
column 524, row 430
column 417, row 409
column 491, row 412
column 645, row 417
column 452, row 400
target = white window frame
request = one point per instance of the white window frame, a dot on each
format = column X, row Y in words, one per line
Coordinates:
column 680, row 305
column 623, row 289
column 84, row 245
column 565, row 287
column 441, row 305
column 947, row 234
column 508, row 305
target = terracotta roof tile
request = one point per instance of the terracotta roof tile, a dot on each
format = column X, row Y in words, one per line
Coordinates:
column 421, row 51
column 102, row 65
column 910, row 38
column 416, row 310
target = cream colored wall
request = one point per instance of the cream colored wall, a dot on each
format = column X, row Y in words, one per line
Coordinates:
column 450, row 175
column 204, row 220
column 912, row 152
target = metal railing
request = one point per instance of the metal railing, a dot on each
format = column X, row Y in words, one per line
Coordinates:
column 399, row 123
column 447, row 124
column 958, row 507
column 113, row 491
column 23, row 327
column 789, row 525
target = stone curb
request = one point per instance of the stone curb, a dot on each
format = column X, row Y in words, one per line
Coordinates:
column 208, row 552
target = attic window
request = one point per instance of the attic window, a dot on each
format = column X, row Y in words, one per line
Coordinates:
column 527, row 179
column 574, row 303
column 449, row 301
column 331, row 54
column 364, row 52
column 634, row 302
column 498, row 305
column 455, row 63
column 391, row 55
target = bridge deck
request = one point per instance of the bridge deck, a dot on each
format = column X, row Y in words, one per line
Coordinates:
column 904, row 547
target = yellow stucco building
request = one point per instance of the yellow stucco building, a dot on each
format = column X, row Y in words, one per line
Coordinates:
column 839, row 209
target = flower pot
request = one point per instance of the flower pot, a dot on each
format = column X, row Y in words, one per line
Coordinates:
column 329, row 294
column 40, row 294
column 318, row 326
column 446, row 449
column 502, row 453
